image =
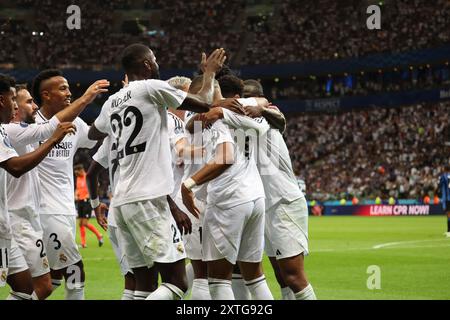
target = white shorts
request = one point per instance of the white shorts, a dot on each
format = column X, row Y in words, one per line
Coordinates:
column 149, row 233
column 16, row 259
column 114, row 238
column 286, row 230
column 5, row 253
column 28, row 234
column 193, row 241
column 59, row 240
column 236, row 234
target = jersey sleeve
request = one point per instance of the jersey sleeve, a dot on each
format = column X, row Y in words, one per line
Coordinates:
column 221, row 133
column 6, row 150
column 82, row 131
column 24, row 134
column 164, row 94
column 102, row 121
column 176, row 129
column 237, row 121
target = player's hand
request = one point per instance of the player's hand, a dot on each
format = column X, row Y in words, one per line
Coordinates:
column 231, row 104
column 188, row 201
column 125, row 81
column 95, row 89
column 211, row 116
column 100, row 215
column 253, row 112
column 182, row 220
column 215, row 61
column 63, row 129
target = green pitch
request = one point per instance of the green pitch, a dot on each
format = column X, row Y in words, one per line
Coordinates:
column 412, row 254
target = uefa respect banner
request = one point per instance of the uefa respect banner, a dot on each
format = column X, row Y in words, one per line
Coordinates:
column 384, row 210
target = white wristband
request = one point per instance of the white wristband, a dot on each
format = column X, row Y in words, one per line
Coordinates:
column 189, row 184
column 95, row 203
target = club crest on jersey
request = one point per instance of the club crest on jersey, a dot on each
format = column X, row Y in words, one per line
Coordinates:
column 62, row 257
column 180, row 248
column 3, row 277
column 45, row 263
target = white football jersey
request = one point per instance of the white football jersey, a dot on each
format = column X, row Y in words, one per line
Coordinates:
column 274, row 163
column 136, row 117
column 106, row 156
column 191, row 166
column 241, row 182
column 6, row 152
column 24, row 192
column 176, row 133
column 56, row 171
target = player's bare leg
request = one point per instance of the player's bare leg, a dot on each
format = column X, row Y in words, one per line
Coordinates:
column 74, row 276
column 130, row 287
column 219, row 278
column 293, row 272
column 145, row 282
column 21, row 286
column 174, row 282
column 255, row 280
column 286, row 292
column 42, row 286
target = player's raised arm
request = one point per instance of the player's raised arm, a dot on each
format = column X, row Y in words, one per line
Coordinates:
column 201, row 101
column 271, row 113
column 75, row 108
column 17, row 166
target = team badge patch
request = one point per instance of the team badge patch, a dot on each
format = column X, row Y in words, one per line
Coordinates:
column 3, row 276
column 180, row 248
column 45, row 262
column 62, row 257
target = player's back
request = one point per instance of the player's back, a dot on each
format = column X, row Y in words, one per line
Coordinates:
column 138, row 123
column 241, row 182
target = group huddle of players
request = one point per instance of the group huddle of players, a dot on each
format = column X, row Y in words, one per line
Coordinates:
column 198, row 169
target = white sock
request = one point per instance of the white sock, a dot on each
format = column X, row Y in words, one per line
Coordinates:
column 220, row 289
column 166, row 291
column 200, row 290
column 127, row 295
column 190, row 275
column 140, row 295
column 306, row 294
column 13, row 295
column 259, row 289
column 240, row 291
column 75, row 291
column 287, row 294
column 56, row 283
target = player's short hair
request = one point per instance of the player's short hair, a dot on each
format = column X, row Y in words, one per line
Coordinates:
column 179, row 82
column 231, row 86
column 132, row 56
column 21, row 86
column 6, row 83
column 41, row 77
column 253, row 88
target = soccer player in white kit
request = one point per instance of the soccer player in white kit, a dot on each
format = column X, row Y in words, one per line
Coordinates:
column 57, row 208
column 233, row 229
column 136, row 117
column 24, row 193
column 286, row 229
column 18, row 279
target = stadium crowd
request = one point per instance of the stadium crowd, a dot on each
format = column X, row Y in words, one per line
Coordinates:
column 294, row 31
column 396, row 152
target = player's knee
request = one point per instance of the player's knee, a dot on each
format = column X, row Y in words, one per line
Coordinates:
column 43, row 290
